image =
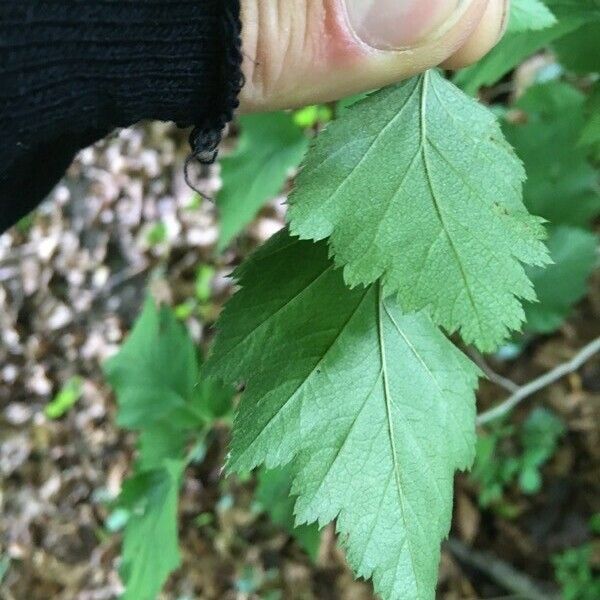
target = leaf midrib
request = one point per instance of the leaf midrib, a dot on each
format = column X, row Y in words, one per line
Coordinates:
column 390, row 428
column 436, row 204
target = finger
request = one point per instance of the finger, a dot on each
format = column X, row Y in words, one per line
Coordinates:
column 487, row 34
column 300, row 52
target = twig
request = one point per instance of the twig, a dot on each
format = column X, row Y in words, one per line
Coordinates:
column 499, row 380
column 540, row 383
column 500, row 572
column 122, row 277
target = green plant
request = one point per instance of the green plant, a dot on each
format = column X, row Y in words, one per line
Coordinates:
column 162, row 397
column 165, row 398
column 348, row 377
column 66, row 398
column 500, row 462
column 407, row 223
column 562, row 187
column 578, row 579
column 270, row 146
column 157, row 234
column 274, row 495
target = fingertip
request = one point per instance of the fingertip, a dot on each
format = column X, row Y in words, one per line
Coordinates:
column 488, row 33
column 302, row 52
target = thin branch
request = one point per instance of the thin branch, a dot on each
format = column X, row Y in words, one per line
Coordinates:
column 503, row 382
column 500, row 572
column 540, row 383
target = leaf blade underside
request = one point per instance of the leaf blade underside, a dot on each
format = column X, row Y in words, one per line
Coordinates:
column 426, row 195
column 372, row 409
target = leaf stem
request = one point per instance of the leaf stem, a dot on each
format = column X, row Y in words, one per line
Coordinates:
column 510, row 386
column 540, row 383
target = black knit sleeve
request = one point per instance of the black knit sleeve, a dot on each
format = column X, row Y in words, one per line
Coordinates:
column 73, row 70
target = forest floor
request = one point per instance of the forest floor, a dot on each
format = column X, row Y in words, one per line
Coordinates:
column 72, row 279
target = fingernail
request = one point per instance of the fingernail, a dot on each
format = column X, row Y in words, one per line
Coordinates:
column 398, row 24
column 505, row 19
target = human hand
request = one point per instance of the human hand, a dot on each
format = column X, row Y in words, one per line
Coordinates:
column 300, row 52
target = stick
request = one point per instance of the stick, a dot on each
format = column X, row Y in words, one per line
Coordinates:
column 540, row 383
column 499, row 380
column 500, row 572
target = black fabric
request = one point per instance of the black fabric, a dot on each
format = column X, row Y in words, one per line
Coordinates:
column 73, row 70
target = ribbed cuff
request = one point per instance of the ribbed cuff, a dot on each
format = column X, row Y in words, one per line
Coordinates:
column 206, row 135
column 73, row 70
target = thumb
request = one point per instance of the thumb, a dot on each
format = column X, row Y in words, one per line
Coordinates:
column 300, row 52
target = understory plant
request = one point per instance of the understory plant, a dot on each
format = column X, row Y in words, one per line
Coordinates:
column 411, row 233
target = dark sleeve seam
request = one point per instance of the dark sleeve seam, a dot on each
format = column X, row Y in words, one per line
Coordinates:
column 206, row 135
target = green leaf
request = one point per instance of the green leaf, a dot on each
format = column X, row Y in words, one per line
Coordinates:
column 416, row 185
column 590, row 136
column 529, row 15
column 213, row 400
column 580, row 51
column 151, row 548
column 372, row 409
column 156, row 370
column 160, row 442
column 65, row 399
column 311, row 116
column 270, row 146
column 518, row 45
column 540, row 435
column 576, row 572
column 581, row 9
column 156, row 380
column 560, row 286
column 561, row 185
column 274, row 495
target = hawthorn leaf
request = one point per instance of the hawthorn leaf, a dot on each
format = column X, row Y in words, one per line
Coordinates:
column 561, row 186
column 529, row 15
column 416, row 185
column 155, row 371
column 561, row 285
column 372, row 409
column 515, row 46
column 273, row 494
column 270, row 146
column 150, row 544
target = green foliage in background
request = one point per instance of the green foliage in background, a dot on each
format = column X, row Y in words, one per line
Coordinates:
column 270, row 146
column 352, row 392
column 357, row 408
column 156, row 378
column 578, row 51
column 168, row 440
column 564, row 283
column 578, row 579
column 500, row 463
column 590, row 136
column 529, row 15
column 274, row 495
column 521, row 42
column 65, row 399
column 562, row 186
